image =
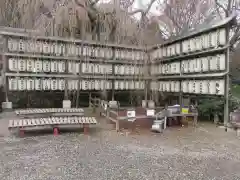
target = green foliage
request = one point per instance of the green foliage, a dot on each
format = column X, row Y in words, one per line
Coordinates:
column 212, row 106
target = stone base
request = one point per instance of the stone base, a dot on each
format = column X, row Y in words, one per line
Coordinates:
column 7, row 106
column 238, row 132
column 66, row 104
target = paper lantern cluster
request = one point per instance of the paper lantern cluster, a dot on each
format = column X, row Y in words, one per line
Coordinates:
column 205, row 41
column 202, row 42
column 128, row 85
column 31, row 65
column 93, row 68
column 212, row 87
column 166, row 86
column 128, row 70
column 131, row 55
column 205, row 64
column 165, row 69
column 43, row 84
column 72, row 49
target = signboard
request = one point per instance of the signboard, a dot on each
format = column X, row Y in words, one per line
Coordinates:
column 150, row 112
column 131, row 115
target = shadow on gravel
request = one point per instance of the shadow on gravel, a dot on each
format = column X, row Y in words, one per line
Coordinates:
column 92, row 131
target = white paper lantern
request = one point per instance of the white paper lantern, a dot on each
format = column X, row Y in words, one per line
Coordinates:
column 177, row 86
column 185, row 86
column 205, row 87
column 198, row 65
column 142, row 84
column 220, row 87
column 84, row 67
column 38, row 65
column 211, row 39
column 54, row 84
column 190, row 87
column 186, row 66
column 116, row 85
column 102, row 52
column 39, row 47
column 164, row 86
column 121, row 85
column 46, row 84
column 109, row 84
column 54, row 66
column 30, row 84
column 222, row 37
column 22, row 65
column 84, row 51
column 212, row 87
column 21, row 45
column 38, row 84
column 61, row 84
column 97, row 84
column 160, row 86
column 131, row 85
column 61, row 66
column 205, row 64
column 212, row 63
column 58, row 49
column 46, row 66
column 70, row 85
column 167, row 86
column 12, row 84
column 222, row 62
column 137, row 85
column 97, row 52
column 197, row 87
column 85, row 85
column 30, row 65
column 22, row 84
column 197, row 43
column 46, row 48
column 192, row 45
column 102, row 84
column 12, row 45
column 13, row 64
column 172, row 86
column 191, row 66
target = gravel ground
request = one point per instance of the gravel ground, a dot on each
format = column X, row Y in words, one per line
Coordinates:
column 185, row 153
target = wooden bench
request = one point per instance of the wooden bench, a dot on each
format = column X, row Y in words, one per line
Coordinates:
column 54, row 123
column 27, row 113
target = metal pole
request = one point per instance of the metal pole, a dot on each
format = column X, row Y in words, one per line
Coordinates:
column 226, row 104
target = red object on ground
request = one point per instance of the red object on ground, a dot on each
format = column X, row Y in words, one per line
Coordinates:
column 55, row 131
column 86, row 129
column 21, row 133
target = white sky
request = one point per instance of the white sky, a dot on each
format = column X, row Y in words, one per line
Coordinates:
column 141, row 4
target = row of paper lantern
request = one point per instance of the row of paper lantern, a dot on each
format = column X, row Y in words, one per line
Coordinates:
column 167, row 51
column 70, row 49
column 131, row 55
column 213, row 39
column 169, row 68
column 94, row 68
column 128, row 85
column 206, row 41
column 21, row 84
column 128, row 69
column 204, row 64
column 31, row 65
column 213, row 87
column 165, row 86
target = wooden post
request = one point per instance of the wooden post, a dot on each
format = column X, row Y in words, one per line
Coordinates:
column 4, row 69
column 90, row 99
